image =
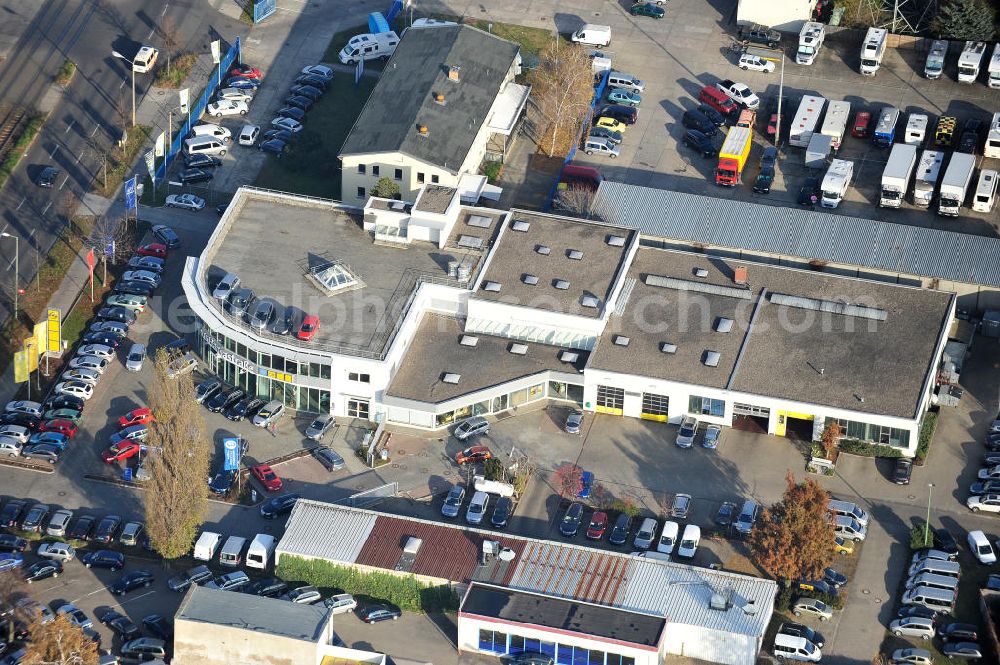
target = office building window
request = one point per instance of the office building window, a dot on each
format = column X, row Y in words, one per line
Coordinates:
column 435, row 179
column 420, row 177
column 398, row 175
column 357, row 408
column 361, row 192
column 361, row 169
column 362, row 378
column 706, row 406
column 375, row 170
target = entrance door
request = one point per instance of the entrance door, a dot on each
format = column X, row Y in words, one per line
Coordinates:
column 795, row 425
column 610, row 400
column 750, row 418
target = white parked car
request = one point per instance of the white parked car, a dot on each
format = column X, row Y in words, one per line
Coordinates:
column 10, row 446
column 80, row 374
column 185, row 201
column 756, row 63
column 668, row 537
column 989, row 503
column 151, row 263
column 141, row 276
column 136, row 356
column 225, row 107
column 99, row 350
column 739, row 93
column 89, row 362
column 689, row 541
column 18, row 432
column 75, row 388
column 341, row 603
column 294, row 126
column 234, row 95
column 129, row 301
column 980, row 547
column 321, row 71
column 58, row 550
column 24, row 406
column 915, row 626
column 249, row 134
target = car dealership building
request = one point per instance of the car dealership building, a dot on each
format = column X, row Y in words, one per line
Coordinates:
column 436, row 310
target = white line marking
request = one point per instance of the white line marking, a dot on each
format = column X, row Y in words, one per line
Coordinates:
column 47, row 206
column 32, row 234
column 96, row 127
column 151, row 31
column 122, row 85
column 54, row 151
column 19, row 206
column 10, row 265
column 79, row 157
column 165, row 5
column 64, row 182
column 69, row 126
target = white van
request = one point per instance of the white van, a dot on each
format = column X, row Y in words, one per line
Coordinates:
column 627, row 81
column 145, row 59
column 689, row 542
column 937, row 567
column 791, row 647
column 204, row 145
column 232, row 552
column 260, row 551
column 668, row 537
column 249, row 134
column 644, row 536
column 215, row 131
column 850, row 510
column 477, row 508
column 939, row 600
column 986, row 191
column 980, row 546
column 850, row 528
column 932, row 581
column 204, row 548
column 592, row 35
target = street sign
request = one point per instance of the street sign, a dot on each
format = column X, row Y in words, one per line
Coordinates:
column 127, row 474
column 109, row 247
column 54, row 332
column 231, row 448
column 184, row 95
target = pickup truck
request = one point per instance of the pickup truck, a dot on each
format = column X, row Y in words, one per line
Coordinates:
column 739, row 93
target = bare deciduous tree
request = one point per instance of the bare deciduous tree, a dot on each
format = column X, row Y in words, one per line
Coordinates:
column 59, row 642
column 176, row 495
column 12, row 589
column 111, row 232
column 100, row 144
column 563, row 87
column 577, row 200
column 171, row 37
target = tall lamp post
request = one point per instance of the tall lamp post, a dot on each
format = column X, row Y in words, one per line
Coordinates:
column 927, row 524
column 132, row 67
column 17, row 286
column 409, row 5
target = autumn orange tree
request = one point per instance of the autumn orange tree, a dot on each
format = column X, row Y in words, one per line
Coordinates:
column 568, row 479
column 794, row 538
column 59, row 642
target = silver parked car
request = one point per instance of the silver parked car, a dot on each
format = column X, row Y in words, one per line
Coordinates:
column 58, row 522
column 225, row 287
column 812, row 607
column 921, row 627
column 270, row 413
column 320, row 426
column 453, row 502
column 136, row 356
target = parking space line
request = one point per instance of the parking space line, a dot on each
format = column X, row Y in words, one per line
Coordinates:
column 52, row 155
column 96, row 127
column 19, row 206
column 64, row 182
column 69, row 126
column 47, row 206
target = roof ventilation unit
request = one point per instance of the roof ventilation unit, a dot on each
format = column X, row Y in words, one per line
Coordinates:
column 530, row 280
column 574, row 254
column 561, row 284
column 667, row 347
column 470, row 242
column 451, row 377
column 479, row 221
column 439, row 98
column 723, row 325
column 711, row 359
column 543, row 250
column 492, row 286
column 622, row 340
column 590, row 301
column 616, row 241
column 519, row 349
column 468, row 340
column 422, row 130
column 568, row 356
column 701, row 272
column 397, row 206
column 520, row 225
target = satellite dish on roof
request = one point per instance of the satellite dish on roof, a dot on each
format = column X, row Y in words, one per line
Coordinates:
column 506, row 554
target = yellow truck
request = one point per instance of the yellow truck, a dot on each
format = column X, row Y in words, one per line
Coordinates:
column 733, row 156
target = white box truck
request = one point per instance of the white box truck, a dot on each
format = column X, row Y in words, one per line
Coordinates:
column 811, row 38
column 835, row 123
column 369, row 46
column 805, row 121
column 916, row 129
column 969, row 61
column 994, row 68
column 592, row 35
column 928, row 173
column 897, row 174
column 955, row 183
column 934, row 65
column 836, row 182
column 986, row 191
column 872, row 50
column 992, row 147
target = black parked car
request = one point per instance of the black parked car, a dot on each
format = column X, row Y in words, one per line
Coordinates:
column 809, row 193
column 280, row 134
column 201, row 162
column 291, row 112
column 131, row 581
column 286, row 323
column 222, row 482
column 570, row 524
column 501, row 512
column 223, row 400
column 11, row 543
column 607, row 133
column 107, row 339
column 271, row 587
column 376, row 613
column 239, row 301
column 104, row 559
column 245, row 408
column 944, row 541
column 310, row 91
column 800, row 630
column 107, row 528
column 158, row 626
column 758, row 34
column 81, row 528
column 22, row 419
column 116, row 314
column 188, row 176
column 274, row 146
column 700, row 143
column 64, row 402
column 300, row 102
column 47, row 177
column 279, row 505
column 42, row 570
column 717, row 118
column 959, row 632
column 197, row 575
column 314, row 81
column 11, row 513
column 134, row 288
column 121, row 624
column 693, row 119
column 902, row 471
column 762, row 185
column 619, row 532
column 769, row 159
column 34, row 518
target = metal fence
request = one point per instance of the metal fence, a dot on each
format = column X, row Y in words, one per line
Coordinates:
column 371, row 497
column 263, row 8
column 213, row 82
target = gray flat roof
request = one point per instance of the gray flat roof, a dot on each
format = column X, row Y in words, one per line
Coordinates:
column 436, row 350
column 791, row 351
column 253, row 613
column 435, row 199
column 516, row 257
column 272, row 244
column 568, row 615
column 404, row 96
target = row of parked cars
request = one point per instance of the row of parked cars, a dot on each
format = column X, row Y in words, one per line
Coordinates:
column 984, row 494
column 624, row 94
column 263, row 314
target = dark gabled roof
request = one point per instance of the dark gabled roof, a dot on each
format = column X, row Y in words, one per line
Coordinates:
column 404, row 96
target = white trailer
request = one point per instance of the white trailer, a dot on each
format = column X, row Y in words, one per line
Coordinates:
column 369, row 46
column 992, row 148
column 916, row 129
column 935, row 59
column 836, row 182
column 835, row 123
column 955, row 183
column 928, row 173
column 897, row 174
column 872, row 50
column 969, row 61
column 811, row 38
column 805, row 121
column 994, row 69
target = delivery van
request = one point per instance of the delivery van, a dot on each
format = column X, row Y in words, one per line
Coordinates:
column 986, row 191
column 936, row 567
column 232, row 552
column 204, row 145
column 932, row 581
column 592, row 35
column 260, row 551
column 938, row 600
column 790, row 647
column 207, row 543
column 209, row 129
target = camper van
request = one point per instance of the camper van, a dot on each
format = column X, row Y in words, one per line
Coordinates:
column 916, row 129
column 872, row 50
column 805, row 121
column 260, row 551
column 992, row 147
column 369, row 47
column 232, row 552
column 993, row 70
column 835, row 182
column 928, row 173
column 986, row 191
column 934, row 64
column 969, row 61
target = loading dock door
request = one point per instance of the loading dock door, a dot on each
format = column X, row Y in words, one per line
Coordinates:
column 610, row 400
column 655, row 407
column 750, row 418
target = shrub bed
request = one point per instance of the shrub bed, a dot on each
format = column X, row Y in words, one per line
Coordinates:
column 865, row 449
column 927, row 430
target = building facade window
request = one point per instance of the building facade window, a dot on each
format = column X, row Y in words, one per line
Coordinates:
column 492, row 641
column 361, row 169
column 358, row 408
column 398, row 174
column 890, row 436
column 435, row 179
column 420, row 177
column 707, row 406
column 361, row 192
column 655, row 407
column 375, row 170
column 571, row 392
column 610, row 400
column 361, row 378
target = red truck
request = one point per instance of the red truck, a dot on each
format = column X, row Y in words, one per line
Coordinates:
column 733, row 156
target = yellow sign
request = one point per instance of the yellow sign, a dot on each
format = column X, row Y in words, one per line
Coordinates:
column 31, row 354
column 41, row 329
column 280, row 376
column 20, row 367
column 54, row 335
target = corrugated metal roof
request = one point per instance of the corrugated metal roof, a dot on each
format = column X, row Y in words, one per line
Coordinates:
column 808, row 235
column 307, row 534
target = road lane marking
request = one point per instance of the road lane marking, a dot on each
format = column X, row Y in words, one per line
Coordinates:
column 151, row 31
column 10, row 265
column 165, row 5
column 123, row 84
column 47, row 206
column 52, row 155
column 64, row 182
column 79, row 157
column 19, row 207
column 96, row 127
column 32, row 234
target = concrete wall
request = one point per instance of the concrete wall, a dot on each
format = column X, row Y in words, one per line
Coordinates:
column 197, row 643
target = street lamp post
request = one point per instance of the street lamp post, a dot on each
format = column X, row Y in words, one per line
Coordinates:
column 927, row 524
column 409, row 5
column 132, row 67
column 17, row 252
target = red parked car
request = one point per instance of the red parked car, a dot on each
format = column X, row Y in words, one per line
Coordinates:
column 141, row 416
column 267, row 477
column 307, row 330
column 121, row 451
column 246, row 71
column 473, row 455
column 598, row 525
column 861, row 121
column 62, row 426
column 157, row 249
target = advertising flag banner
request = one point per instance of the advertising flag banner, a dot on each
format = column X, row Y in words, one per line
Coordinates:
column 54, row 331
column 151, row 164
column 41, row 331
column 130, row 194
column 185, row 95
column 216, row 51
column 160, row 141
column 20, row 367
column 91, row 262
column 231, row 447
column 31, row 354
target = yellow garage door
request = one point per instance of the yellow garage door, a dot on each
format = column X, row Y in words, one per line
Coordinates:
column 655, row 407
column 610, row 400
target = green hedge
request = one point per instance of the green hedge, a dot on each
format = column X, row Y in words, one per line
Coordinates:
column 917, row 541
column 405, row 592
column 865, row 449
column 926, row 435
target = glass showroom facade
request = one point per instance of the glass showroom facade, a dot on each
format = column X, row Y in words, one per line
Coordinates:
column 501, row 643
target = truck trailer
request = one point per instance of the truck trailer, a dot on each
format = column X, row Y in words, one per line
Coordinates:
column 872, row 50
column 811, row 38
column 934, row 65
column 955, row 183
column 835, row 123
column 836, row 182
column 897, row 173
column 969, row 61
column 928, row 173
column 994, row 69
column 805, row 121
column 733, row 156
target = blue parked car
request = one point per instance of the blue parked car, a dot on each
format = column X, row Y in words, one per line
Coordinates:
column 61, row 441
column 11, row 560
column 242, row 83
column 623, row 96
column 834, row 578
column 586, row 483
column 104, row 559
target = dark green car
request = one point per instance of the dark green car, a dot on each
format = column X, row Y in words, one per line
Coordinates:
column 71, row 415
column 647, row 9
